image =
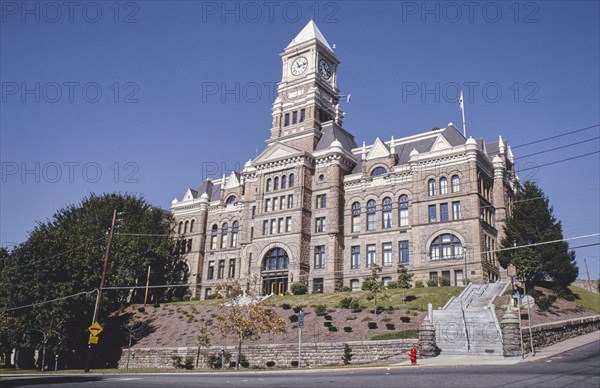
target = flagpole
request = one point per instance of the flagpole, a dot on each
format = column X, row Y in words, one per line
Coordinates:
column 462, row 109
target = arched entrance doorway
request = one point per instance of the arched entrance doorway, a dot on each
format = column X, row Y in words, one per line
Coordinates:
column 275, row 272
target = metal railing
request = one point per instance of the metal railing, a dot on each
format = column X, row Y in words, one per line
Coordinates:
column 462, row 310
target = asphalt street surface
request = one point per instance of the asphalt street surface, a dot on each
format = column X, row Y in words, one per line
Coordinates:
column 578, row 367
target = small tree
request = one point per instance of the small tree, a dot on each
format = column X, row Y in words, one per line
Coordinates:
column 203, row 344
column 347, row 355
column 404, row 277
column 245, row 319
column 135, row 330
column 374, row 285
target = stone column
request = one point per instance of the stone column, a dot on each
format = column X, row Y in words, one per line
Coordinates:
column 427, row 346
column 511, row 338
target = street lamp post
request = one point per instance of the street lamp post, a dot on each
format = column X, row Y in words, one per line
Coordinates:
column 300, row 326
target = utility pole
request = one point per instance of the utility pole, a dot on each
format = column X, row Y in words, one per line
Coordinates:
column 88, row 359
column 589, row 282
column 147, row 285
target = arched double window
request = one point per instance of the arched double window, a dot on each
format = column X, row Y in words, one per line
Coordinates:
column 403, row 210
column 355, row 217
column 386, row 213
column 371, row 215
column 213, row 237
column 443, row 185
column 446, row 247
column 224, row 231
column 431, row 187
column 275, row 260
column 455, row 183
column 234, row 234
column 378, row 171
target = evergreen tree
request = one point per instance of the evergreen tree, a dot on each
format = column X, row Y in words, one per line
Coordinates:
column 532, row 222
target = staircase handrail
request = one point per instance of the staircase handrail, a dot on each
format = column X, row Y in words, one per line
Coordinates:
column 465, row 325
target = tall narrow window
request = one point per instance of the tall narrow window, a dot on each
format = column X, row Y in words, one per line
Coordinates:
column 431, row 187
column 302, row 114
column 180, row 229
column 231, row 273
column 404, row 254
column 275, row 204
column 455, row 184
column 294, row 117
column 371, row 215
column 210, row 274
column 370, row 255
column 276, row 183
column 291, row 181
column 268, row 205
column 185, row 228
column 387, row 254
column 286, row 120
column 224, row 233
column 280, row 225
column 443, row 185
column 456, row 210
column 355, row 217
column 403, row 212
column 283, row 182
column 321, row 201
column 273, row 226
column 269, row 183
column 319, row 256
column 290, row 201
column 355, row 264
column 432, row 214
column 320, row 224
column 221, row 271
column 444, row 216
column 213, row 237
column 192, row 223
column 288, row 224
column 265, row 227
column 234, row 234
column 386, row 213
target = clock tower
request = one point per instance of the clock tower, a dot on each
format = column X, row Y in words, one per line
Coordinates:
column 308, row 95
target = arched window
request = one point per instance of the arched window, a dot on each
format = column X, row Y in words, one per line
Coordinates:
column 185, row 227
column 355, row 217
column 403, row 210
column 268, row 188
column 213, row 237
column 283, row 182
column 275, row 260
column 180, row 229
column 291, row 181
column 371, row 215
column 431, row 187
column 378, row 171
column 192, row 223
column 276, row 183
column 446, row 247
column 234, row 233
column 231, row 200
column 455, row 184
column 443, row 185
column 386, row 213
column 224, row 231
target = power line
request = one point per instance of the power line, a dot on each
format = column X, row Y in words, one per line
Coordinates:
column 556, row 136
column 558, row 161
column 49, row 301
column 558, row 148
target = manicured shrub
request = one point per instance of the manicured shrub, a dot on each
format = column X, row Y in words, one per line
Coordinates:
column 286, row 306
column 419, row 284
column 320, row 310
column 348, row 329
column 299, row 288
column 372, row 325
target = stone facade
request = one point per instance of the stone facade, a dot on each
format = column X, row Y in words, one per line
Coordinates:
column 312, row 355
column 317, row 208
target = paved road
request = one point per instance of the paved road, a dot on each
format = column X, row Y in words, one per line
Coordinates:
column 576, row 368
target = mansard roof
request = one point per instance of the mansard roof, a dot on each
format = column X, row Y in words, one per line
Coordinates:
column 333, row 132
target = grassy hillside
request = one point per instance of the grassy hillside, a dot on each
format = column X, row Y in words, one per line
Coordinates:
column 586, row 299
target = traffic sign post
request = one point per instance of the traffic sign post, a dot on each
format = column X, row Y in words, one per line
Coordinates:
column 93, row 340
column 95, row 329
column 528, row 301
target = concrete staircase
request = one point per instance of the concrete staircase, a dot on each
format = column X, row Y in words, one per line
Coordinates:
column 467, row 324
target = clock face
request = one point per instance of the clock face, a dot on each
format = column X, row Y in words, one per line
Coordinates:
column 324, row 69
column 299, row 66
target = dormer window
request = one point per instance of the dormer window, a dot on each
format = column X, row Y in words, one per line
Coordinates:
column 378, row 171
column 231, row 200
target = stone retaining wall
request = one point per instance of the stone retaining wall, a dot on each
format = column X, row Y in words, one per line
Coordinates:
column 313, row 354
column 551, row 333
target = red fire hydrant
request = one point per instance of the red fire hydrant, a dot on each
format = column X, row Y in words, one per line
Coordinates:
column 413, row 356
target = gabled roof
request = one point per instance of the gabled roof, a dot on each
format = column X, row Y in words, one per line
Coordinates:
column 276, row 151
column 309, row 32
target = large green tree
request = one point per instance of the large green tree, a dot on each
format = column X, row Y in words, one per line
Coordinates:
column 64, row 256
column 532, row 222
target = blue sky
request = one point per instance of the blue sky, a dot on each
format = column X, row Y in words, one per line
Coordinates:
column 153, row 97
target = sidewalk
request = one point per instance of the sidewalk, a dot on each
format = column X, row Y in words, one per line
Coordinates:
column 550, row 351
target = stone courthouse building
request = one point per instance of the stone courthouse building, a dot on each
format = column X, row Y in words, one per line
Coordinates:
column 316, row 207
